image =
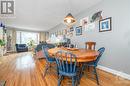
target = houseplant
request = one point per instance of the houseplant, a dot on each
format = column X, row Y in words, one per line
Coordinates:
column 31, row 44
column 2, row 44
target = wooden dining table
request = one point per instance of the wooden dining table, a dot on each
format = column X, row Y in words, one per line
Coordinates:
column 83, row 55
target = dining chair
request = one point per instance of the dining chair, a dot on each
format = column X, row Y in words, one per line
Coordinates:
column 95, row 62
column 49, row 60
column 90, row 45
column 67, row 66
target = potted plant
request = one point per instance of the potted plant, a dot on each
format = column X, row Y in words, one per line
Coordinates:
column 31, row 44
column 2, row 44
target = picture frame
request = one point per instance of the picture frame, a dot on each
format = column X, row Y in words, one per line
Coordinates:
column 71, row 29
column 65, row 31
column 105, row 24
column 96, row 16
column 84, row 21
column 78, row 30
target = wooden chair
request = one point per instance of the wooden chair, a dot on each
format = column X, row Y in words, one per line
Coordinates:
column 95, row 63
column 90, row 45
column 66, row 68
column 49, row 60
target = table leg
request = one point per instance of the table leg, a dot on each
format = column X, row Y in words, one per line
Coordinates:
column 81, row 70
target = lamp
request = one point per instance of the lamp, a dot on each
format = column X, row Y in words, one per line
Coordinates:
column 69, row 20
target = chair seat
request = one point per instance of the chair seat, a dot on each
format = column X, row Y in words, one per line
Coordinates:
column 91, row 64
column 69, row 73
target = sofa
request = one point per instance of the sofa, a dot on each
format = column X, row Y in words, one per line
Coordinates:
column 21, row 48
column 38, row 50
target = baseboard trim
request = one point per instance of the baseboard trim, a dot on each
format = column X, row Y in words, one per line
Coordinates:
column 115, row 72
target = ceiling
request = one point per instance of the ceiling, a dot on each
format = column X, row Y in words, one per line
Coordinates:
column 42, row 15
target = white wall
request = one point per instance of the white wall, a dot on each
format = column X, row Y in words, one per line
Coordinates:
column 117, row 41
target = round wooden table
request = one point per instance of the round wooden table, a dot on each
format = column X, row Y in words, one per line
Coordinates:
column 83, row 55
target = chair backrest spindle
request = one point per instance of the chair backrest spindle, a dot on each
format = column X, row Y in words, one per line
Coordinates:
column 66, row 61
column 45, row 51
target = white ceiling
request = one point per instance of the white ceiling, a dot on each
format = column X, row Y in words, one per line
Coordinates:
column 41, row 15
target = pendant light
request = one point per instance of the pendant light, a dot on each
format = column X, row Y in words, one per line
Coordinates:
column 69, row 20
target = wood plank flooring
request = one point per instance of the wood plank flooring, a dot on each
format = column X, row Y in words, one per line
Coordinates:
column 23, row 69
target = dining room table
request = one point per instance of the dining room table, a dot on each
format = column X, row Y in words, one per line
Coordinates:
column 83, row 55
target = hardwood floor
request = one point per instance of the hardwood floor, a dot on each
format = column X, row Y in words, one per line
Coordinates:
column 24, row 70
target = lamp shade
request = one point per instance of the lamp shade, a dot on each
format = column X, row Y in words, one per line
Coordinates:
column 69, row 19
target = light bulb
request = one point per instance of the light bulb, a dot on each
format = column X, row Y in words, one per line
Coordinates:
column 68, row 20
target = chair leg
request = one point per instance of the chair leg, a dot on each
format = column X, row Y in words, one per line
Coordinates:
column 59, row 80
column 77, row 80
column 57, row 71
column 88, row 68
column 96, row 75
column 46, row 68
column 73, row 81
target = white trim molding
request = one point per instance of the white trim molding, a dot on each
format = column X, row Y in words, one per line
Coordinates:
column 115, row 72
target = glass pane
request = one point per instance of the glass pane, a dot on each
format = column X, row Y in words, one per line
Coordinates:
column 26, row 37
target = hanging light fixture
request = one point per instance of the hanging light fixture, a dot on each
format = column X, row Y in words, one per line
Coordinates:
column 69, row 20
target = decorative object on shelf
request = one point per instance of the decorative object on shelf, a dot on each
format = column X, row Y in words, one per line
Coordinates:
column 71, row 29
column 69, row 20
column 78, row 30
column 96, row 16
column 105, row 25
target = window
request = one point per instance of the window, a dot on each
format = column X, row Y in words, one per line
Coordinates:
column 25, row 37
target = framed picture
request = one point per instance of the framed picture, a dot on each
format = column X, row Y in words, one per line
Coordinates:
column 71, row 29
column 84, row 21
column 78, row 30
column 65, row 31
column 96, row 16
column 105, row 25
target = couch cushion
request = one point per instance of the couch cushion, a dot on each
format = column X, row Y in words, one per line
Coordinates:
column 22, row 45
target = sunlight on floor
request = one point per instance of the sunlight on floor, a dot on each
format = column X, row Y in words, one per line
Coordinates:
column 25, row 61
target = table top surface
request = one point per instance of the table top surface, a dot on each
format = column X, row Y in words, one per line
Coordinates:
column 82, row 55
